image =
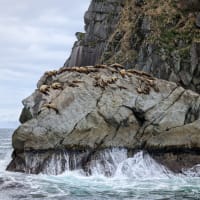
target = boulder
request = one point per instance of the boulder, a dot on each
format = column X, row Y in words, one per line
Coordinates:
column 105, row 107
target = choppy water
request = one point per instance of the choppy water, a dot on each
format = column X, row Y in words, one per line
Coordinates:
column 139, row 177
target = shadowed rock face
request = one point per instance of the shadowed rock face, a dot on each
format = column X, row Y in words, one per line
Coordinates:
column 104, row 107
column 159, row 37
column 100, row 22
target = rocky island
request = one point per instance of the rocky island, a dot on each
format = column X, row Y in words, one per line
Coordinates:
column 132, row 83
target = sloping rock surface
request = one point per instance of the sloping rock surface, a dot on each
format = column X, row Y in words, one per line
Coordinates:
column 88, row 109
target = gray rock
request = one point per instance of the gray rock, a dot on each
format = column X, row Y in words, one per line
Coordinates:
column 25, row 115
column 103, row 110
column 100, row 22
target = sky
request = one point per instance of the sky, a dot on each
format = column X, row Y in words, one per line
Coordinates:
column 35, row 36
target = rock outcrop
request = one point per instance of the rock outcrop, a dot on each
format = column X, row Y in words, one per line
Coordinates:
column 159, row 37
column 84, row 117
column 93, row 109
column 100, row 22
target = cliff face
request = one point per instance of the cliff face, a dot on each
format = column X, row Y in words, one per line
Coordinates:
column 159, row 37
column 100, row 22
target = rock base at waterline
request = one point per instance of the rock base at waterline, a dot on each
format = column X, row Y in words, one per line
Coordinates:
column 105, row 162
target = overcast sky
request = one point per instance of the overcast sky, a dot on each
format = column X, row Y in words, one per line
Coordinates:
column 35, row 36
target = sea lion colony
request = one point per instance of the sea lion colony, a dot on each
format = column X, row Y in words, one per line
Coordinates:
column 145, row 80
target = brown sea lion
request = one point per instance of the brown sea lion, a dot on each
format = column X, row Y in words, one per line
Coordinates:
column 117, row 65
column 51, row 73
column 72, row 84
column 112, row 80
column 140, row 73
column 77, row 81
column 83, row 70
column 50, row 106
column 123, row 73
column 122, row 87
column 101, row 66
column 56, row 85
column 44, row 89
column 139, row 90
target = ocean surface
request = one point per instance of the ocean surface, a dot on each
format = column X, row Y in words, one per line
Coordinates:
column 137, row 178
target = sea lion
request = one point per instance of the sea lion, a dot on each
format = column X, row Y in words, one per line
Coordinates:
column 101, row 66
column 65, row 69
column 110, row 68
column 113, row 70
column 112, row 80
column 146, row 80
column 51, row 73
column 139, row 90
column 100, row 84
column 44, row 89
column 74, row 68
column 56, row 85
column 90, row 70
column 146, row 89
column 77, row 81
column 72, row 84
column 117, row 65
column 122, row 87
column 140, row 73
column 156, row 88
column 150, row 82
column 97, row 77
column 122, row 72
column 50, row 106
column 143, row 89
column 104, row 81
column 82, row 70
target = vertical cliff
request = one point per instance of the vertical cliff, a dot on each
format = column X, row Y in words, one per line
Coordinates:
column 159, row 37
column 100, row 21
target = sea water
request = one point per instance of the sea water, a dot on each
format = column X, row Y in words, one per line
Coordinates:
column 139, row 177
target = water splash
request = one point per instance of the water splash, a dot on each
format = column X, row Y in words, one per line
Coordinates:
column 142, row 166
column 109, row 162
column 105, row 162
column 136, row 177
column 192, row 172
column 5, row 148
column 54, row 163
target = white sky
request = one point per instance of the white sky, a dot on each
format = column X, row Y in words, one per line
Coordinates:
column 35, row 36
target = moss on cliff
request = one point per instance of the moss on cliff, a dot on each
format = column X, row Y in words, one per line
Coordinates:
column 161, row 22
column 155, row 36
column 160, row 37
